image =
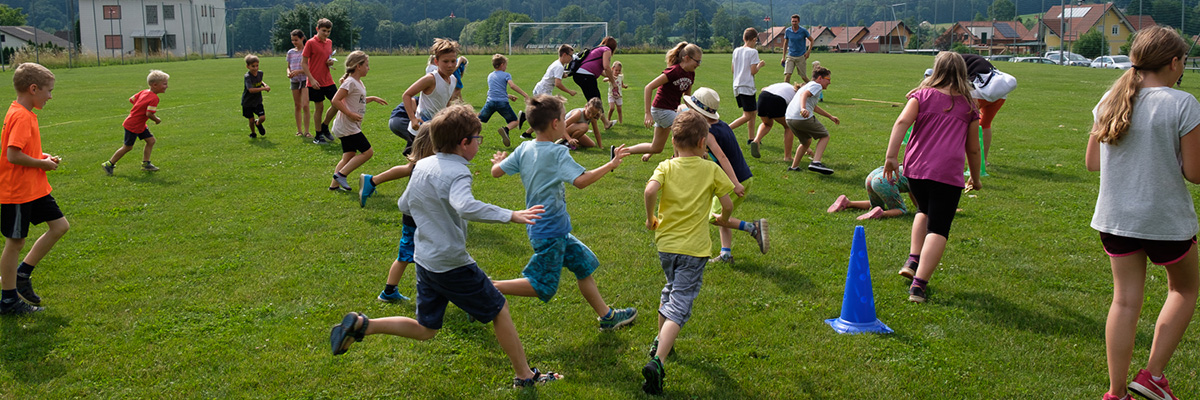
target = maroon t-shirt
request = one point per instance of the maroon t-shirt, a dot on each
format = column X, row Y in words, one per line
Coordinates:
column 678, row 82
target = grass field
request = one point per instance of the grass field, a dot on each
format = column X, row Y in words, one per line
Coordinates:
column 220, row 275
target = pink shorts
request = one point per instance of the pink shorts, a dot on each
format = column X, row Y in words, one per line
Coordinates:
column 1161, row 252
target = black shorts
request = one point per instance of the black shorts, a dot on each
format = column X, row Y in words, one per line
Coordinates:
column 319, row 95
column 466, row 286
column 771, row 106
column 251, row 111
column 355, row 143
column 938, row 201
column 16, row 218
column 1161, row 252
column 746, row 102
column 131, row 138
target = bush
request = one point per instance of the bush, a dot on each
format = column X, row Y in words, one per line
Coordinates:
column 1092, row 44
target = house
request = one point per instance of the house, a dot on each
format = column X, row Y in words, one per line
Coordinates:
column 1140, row 21
column 1059, row 25
column 113, row 28
column 772, row 38
column 17, row 37
column 886, row 37
column 839, row 38
column 995, row 36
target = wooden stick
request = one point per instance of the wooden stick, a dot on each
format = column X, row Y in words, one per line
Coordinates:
column 892, row 103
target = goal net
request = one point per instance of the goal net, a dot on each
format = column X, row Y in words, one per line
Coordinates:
column 545, row 37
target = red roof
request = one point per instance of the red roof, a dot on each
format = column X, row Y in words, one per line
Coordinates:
column 1140, row 21
column 882, row 28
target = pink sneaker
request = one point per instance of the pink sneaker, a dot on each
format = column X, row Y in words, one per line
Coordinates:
column 839, row 204
column 875, row 213
column 1111, row 397
column 1145, row 386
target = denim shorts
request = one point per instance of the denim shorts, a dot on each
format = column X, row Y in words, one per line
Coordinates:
column 663, row 118
column 685, row 274
column 549, row 258
column 492, row 107
column 466, row 286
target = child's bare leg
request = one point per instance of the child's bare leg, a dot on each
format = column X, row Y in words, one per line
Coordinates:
column 261, row 119
column 329, row 114
column 931, row 255
column 788, row 139
column 398, row 326
column 611, row 107
column 393, row 173
column 591, row 293
column 8, row 263
column 341, row 163
column 861, row 205
column 1177, row 310
column 585, row 141
column 1129, row 281
column 516, row 287
column 251, row 120
column 396, row 272
column 919, row 229
column 800, row 152
column 747, row 117
column 149, row 148
column 666, row 339
column 819, row 149
column 726, row 237
column 354, row 162
column 120, row 153
column 576, row 130
column 56, row 229
column 506, row 334
column 320, row 111
column 654, row 147
column 620, row 115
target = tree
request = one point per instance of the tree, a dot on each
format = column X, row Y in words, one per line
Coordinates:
column 1092, row 44
column 694, row 29
column 493, row 30
column 1128, row 43
column 304, row 17
column 1002, row 10
column 11, row 16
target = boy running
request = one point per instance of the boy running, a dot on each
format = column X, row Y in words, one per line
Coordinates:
column 145, row 107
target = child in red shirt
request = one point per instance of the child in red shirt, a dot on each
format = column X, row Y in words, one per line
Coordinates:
column 145, row 105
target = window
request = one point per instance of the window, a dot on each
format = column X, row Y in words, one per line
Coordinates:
column 1114, row 31
column 152, row 15
column 203, row 11
column 112, row 12
column 168, row 12
column 112, row 42
column 212, row 11
column 168, row 41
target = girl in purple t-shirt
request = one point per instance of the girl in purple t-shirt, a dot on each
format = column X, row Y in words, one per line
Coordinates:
column 943, row 119
column 668, row 88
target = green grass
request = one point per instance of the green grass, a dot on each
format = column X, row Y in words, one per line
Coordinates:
column 220, row 275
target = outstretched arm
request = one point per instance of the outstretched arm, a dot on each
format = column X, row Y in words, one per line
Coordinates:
column 891, row 163
column 651, row 199
column 587, row 178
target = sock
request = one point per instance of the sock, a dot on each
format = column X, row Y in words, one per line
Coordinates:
column 389, row 289
column 915, row 258
column 1158, row 378
column 610, row 313
column 505, row 129
column 339, row 174
column 726, row 250
column 324, row 127
column 24, row 270
column 373, row 181
column 921, row 283
column 8, row 297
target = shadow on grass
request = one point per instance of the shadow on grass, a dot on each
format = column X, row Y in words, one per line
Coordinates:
column 262, row 143
column 1041, row 174
column 150, row 177
column 27, row 342
column 1002, row 312
column 724, row 384
column 786, row 279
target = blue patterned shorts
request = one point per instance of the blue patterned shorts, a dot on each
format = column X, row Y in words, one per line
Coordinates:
column 405, row 254
column 549, row 258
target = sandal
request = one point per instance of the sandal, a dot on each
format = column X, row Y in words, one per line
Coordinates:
column 537, row 379
column 339, row 337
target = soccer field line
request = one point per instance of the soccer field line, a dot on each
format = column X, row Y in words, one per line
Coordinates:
column 125, row 115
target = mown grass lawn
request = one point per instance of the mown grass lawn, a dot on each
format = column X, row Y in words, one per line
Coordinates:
column 220, row 275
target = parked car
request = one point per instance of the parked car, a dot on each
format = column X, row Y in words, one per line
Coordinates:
column 1112, row 62
column 999, row 58
column 1035, row 60
column 1071, row 58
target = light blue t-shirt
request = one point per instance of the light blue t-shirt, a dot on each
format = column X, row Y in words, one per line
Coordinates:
column 498, row 86
column 544, row 168
column 797, row 41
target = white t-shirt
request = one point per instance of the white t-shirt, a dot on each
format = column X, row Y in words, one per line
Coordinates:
column 1142, row 190
column 794, row 105
column 784, row 90
column 743, row 81
column 356, row 102
column 546, row 85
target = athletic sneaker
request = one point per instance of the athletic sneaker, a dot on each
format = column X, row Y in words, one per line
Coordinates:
column 320, row 139
column 366, row 190
column 796, row 169
column 754, row 150
column 817, row 166
column 619, row 318
column 19, row 308
column 504, row 136
column 1146, row 386
column 338, row 189
column 916, row 294
column 527, row 135
column 25, row 291
column 760, row 235
column 724, row 258
column 147, row 166
column 253, row 135
column 520, row 119
column 654, row 374
column 395, row 297
column 909, row 269
column 108, row 167
column 261, row 129
column 341, row 181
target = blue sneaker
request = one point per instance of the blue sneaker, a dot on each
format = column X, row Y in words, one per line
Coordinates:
column 395, row 297
column 366, row 190
column 619, row 318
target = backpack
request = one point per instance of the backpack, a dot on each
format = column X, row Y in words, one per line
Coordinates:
column 994, row 86
column 577, row 60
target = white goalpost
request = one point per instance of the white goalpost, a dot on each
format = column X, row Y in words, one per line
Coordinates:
column 545, row 37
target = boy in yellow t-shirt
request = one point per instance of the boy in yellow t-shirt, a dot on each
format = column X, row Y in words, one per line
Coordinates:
column 688, row 183
column 25, row 191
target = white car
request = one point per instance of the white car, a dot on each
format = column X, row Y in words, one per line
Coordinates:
column 1071, row 58
column 1035, row 60
column 1112, row 62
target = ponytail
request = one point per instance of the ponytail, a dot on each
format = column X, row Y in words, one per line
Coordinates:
column 675, row 55
column 353, row 60
column 1153, row 49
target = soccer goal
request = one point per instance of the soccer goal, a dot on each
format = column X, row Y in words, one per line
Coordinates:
column 545, row 37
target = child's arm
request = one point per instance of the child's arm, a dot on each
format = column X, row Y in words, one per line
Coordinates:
column 471, row 209
column 973, row 153
column 1190, row 153
column 375, row 99
column 651, row 198
column 151, row 115
column 822, row 113
column 496, row 159
column 723, row 161
column 339, row 102
column 726, row 209
column 422, row 85
column 1091, row 158
column 513, row 84
column 596, row 130
column 646, row 96
column 15, row 156
column 558, row 84
column 755, row 67
column 890, row 165
column 312, row 81
column 590, row 177
column 804, row 95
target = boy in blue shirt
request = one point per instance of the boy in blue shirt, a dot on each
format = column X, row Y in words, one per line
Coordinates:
column 544, row 167
column 497, row 98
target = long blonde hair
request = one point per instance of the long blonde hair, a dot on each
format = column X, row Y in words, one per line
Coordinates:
column 1153, row 49
column 422, row 146
column 675, row 55
column 353, row 60
column 949, row 72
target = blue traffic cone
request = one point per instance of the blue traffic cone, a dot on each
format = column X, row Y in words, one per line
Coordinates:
column 858, row 303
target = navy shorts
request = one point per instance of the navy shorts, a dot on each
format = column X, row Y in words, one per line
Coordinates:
column 16, row 218
column 746, row 102
column 131, row 138
column 319, row 95
column 466, row 286
column 355, row 143
column 1161, row 252
column 250, row 112
column 771, row 106
column 938, row 201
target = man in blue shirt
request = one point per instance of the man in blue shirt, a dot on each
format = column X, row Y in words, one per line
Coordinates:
column 795, row 40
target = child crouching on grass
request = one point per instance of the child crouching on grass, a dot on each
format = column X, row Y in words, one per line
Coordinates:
column 351, row 102
column 574, row 134
column 688, row 183
column 884, row 200
column 440, row 201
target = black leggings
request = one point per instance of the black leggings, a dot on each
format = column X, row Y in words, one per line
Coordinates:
column 938, row 201
column 587, row 84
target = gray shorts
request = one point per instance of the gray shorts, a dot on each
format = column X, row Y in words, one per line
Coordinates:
column 685, row 274
column 808, row 129
column 663, row 118
column 796, row 64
